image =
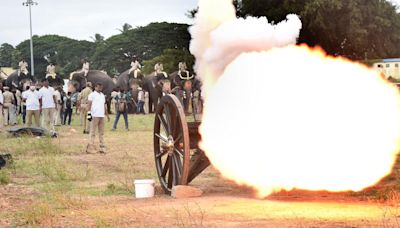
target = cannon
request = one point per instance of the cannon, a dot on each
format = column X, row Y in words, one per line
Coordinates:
column 178, row 158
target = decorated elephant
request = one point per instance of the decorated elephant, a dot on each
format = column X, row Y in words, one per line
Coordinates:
column 148, row 83
column 188, row 89
column 18, row 82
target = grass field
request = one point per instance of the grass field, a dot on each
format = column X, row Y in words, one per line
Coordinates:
column 54, row 183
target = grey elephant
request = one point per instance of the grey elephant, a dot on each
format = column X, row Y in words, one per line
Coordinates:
column 18, row 82
column 78, row 82
column 148, row 83
column 188, row 89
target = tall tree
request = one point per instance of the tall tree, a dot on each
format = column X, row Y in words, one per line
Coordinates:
column 356, row 29
column 125, row 28
column 6, row 51
column 97, row 38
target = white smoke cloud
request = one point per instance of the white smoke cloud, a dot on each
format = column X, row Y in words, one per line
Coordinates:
column 219, row 37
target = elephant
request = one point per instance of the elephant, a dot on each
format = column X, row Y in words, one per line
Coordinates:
column 148, row 83
column 78, row 82
column 184, row 87
column 18, row 82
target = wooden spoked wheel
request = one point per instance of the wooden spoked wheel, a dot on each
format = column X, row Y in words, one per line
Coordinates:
column 171, row 143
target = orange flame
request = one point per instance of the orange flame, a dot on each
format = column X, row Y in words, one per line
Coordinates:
column 294, row 117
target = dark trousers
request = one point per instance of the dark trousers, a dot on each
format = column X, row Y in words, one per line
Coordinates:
column 140, row 107
column 117, row 115
column 23, row 113
column 67, row 114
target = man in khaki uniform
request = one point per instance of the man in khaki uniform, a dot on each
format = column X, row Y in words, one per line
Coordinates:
column 51, row 71
column 23, row 67
column 9, row 101
column 83, row 101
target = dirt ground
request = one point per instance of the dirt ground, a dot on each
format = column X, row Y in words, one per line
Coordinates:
column 54, row 183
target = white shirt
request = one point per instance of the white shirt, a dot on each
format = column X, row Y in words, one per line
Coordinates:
column 98, row 100
column 1, row 98
column 141, row 95
column 46, row 94
column 32, row 99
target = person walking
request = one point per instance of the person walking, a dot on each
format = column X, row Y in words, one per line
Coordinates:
column 121, row 108
column 67, row 108
column 98, row 110
column 48, row 104
column 31, row 99
column 9, row 101
column 83, row 101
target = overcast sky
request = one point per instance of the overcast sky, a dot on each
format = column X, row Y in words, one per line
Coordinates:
column 81, row 19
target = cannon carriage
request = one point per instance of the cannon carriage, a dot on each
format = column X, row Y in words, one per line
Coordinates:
column 176, row 136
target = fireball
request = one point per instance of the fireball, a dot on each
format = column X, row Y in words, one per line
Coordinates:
column 281, row 117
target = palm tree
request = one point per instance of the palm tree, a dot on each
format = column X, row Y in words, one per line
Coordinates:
column 125, row 27
column 97, row 38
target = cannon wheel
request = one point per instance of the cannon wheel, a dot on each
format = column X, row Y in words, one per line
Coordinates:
column 171, row 143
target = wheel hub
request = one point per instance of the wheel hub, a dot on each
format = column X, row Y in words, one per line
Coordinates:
column 170, row 145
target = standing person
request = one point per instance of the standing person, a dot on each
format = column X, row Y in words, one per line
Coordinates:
column 14, row 109
column 141, row 100
column 31, row 99
column 9, row 101
column 121, row 108
column 1, row 110
column 84, row 106
column 67, row 108
column 48, row 104
column 57, row 119
column 23, row 67
column 114, row 94
column 23, row 102
column 98, row 109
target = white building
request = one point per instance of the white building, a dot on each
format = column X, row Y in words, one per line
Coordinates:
column 389, row 68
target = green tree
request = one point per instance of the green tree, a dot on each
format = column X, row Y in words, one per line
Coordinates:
column 65, row 52
column 145, row 42
column 170, row 59
column 356, row 29
column 125, row 28
column 6, row 51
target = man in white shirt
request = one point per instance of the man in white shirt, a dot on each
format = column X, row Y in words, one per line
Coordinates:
column 31, row 99
column 1, row 110
column 48, row 104
column 98, row 110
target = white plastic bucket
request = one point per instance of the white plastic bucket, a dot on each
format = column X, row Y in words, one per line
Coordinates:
column 144, row 188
